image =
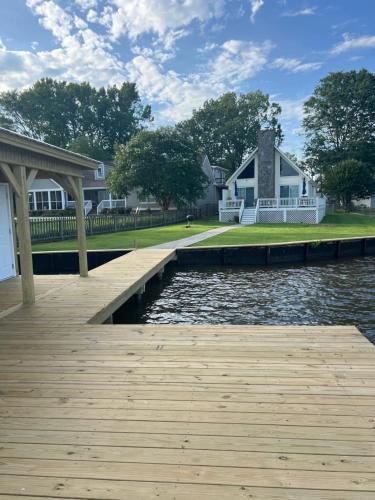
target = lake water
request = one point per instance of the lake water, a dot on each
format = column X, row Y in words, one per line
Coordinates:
column 333, row 293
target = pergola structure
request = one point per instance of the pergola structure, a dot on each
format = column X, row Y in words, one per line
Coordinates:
column 23, row 159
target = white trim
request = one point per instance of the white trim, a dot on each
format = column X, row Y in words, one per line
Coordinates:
column 296, row 167
column 11, row 234
column 251, row 156
column 242, row 167
column 46, row 189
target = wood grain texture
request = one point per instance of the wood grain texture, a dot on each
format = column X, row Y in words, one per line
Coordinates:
column 114, row 412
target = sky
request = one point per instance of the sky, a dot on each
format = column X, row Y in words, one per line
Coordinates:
column 183, row 52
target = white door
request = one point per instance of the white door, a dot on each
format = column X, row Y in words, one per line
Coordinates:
column 7, row 266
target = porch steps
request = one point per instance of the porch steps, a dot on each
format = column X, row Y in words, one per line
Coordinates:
column 248, row 216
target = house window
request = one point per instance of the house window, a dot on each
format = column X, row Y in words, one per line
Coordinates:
column 248, row 172
column 31, row 201
column 99, row 174
column 42, row 202
column 289, row 191
column 56, row 200
column 286, row 169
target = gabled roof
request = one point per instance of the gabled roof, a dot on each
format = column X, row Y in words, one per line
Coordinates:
column 296, row 167
column 244, row 164
column 250, row 157
column 17, row 140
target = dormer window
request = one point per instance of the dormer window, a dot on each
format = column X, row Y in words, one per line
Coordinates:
column 99, row 174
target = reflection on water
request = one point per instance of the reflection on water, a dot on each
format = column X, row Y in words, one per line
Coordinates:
column 338, row 293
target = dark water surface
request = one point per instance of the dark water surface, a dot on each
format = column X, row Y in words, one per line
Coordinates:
column 331, row 293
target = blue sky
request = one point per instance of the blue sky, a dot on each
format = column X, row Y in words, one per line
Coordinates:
column 182, row 52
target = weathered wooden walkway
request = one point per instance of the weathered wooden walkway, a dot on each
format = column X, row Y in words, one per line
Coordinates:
column 90, row 411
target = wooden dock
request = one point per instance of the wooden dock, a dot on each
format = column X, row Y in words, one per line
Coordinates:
column 114, row 412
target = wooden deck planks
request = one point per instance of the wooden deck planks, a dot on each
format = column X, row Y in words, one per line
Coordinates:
column 113, row 412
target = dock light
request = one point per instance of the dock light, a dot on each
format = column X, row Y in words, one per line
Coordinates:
column 189, row 219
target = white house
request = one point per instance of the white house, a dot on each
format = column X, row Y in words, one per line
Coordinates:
column 269, row 188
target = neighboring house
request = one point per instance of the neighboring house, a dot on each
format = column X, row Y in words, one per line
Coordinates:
column 269, row 187
column 216, row 182
column 366, row 202
column 46, row 194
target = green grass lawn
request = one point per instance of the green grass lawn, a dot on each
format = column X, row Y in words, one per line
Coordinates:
column 333, row 226
column 131, row 239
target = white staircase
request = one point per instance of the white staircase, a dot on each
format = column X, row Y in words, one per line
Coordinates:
column 249, row 216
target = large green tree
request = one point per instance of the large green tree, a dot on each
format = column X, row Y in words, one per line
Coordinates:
column 162, row 164
column 226, row 128
column 349, row 180
column 339, row 121
column 76, row 114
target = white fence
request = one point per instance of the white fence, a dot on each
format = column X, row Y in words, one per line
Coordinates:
column 108, row 204
column 87, row 206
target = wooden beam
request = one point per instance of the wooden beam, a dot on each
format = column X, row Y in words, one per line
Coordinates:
column 7, row 171
column 24, row 237
column 64, row 184
column 30, row 178
column 75, row 189
column 81, row 227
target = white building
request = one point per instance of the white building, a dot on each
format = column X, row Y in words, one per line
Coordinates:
column 269, row 188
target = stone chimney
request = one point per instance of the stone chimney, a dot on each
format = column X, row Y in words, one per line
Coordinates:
column 266, row 163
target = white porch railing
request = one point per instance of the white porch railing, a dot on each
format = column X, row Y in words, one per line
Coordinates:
column 242, row 208
column 110, row 204
column 303, row 202
column 230, row 204
column 87, row 206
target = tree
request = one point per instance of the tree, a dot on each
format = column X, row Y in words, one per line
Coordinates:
column 63, row 113
column 349, row 180
column 226, row 128
column 340, row 121
column 162, row 164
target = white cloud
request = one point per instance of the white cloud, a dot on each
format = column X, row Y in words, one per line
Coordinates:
column 52, row 17
column 86, row 4
column 292, row 109
column 178, row 95
column 235, row 62
column 295, row 65
column 84, row 55
column 239, row 60
column 308, row 11
column 92, row 16
column 81, row 57
column 2, row 45
column 349, row 43
column 136, row 17
column 255, row 5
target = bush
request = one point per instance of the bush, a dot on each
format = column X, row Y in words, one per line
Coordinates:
column 68, row 212
column 116, row 211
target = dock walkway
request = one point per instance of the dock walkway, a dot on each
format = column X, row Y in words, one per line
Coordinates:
column 140, row 412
